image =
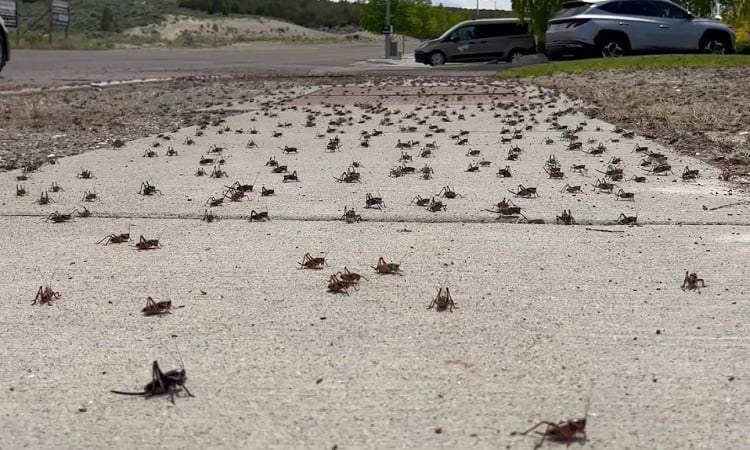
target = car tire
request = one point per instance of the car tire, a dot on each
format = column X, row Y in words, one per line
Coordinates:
column 612, row 46
column 715, row 43
column 514, row 56
column 437, row 59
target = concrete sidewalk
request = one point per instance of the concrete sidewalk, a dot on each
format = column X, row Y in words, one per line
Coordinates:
column 550, row 318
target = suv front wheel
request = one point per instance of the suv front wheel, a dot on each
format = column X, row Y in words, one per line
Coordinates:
column 612, row 46
column 716, row 43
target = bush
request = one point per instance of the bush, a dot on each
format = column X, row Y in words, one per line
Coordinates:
column 107, row 22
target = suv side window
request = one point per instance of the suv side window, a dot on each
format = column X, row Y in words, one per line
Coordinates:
column 611, row 7
column 636, row 8
column 669, row 11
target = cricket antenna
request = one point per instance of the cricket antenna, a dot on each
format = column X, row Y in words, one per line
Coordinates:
column 256, row 177
column 182, row 362
column 588, row 401
column 401, row 261
column 179, row 360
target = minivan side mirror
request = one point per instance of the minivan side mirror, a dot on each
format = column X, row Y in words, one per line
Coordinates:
column 452, row 39
column 689, row 16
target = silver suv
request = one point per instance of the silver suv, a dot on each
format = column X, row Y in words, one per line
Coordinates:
column 611, row 28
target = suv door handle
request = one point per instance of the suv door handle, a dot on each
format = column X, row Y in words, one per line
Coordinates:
column 663, row 26
column 623, row 23
column 482, row 42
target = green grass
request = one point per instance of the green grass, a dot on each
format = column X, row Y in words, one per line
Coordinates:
column 629, row 63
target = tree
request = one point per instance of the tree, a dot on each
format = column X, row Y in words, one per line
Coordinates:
column 417, row 18
column 537, row 12
column 737, row 14
column 107, row 20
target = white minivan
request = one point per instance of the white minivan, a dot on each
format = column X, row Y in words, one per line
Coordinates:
column 479, row 40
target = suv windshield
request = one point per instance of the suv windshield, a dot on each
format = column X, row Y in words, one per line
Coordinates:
column 572, row 9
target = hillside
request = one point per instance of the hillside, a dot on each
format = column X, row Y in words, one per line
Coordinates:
column 87, row 14
column 220, row 30
column 117, row 23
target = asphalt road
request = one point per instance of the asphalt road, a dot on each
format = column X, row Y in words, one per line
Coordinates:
column 36, row 68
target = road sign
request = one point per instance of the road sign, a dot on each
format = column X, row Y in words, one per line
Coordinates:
column 60, row 12
column 387, row 29
column 9, row 13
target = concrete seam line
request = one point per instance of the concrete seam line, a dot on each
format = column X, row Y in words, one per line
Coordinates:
column 426, row 220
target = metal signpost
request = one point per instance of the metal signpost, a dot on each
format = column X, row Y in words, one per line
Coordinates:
column 387, row 29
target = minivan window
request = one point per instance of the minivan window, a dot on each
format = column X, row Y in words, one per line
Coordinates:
column 464, row 33
column 572, row 9
column 492, row 30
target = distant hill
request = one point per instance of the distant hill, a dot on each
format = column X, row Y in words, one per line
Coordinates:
column 112, row 23
column 87, row 14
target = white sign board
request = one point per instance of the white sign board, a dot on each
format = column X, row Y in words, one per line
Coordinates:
column 9, row 13
column 60, row 12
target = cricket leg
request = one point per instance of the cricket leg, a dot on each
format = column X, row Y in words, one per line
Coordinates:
column 543, row 422
column 157, row 379
column 541, row 441
column 188, row 392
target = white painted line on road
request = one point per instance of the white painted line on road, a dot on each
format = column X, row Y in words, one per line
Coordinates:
column 92, row 85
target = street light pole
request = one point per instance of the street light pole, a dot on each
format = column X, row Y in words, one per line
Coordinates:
column 387, row 30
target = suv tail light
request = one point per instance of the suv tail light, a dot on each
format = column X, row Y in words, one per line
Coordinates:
column 559, row 25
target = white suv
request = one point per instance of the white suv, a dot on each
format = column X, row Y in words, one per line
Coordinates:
column 610, row 28
column 4, row 45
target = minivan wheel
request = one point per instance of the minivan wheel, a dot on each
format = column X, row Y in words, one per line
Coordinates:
column 715, row 44
column 514, row 56
column 437, row 59
column 612, row 47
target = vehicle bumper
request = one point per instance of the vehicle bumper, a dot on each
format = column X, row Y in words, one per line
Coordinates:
column 421, row 57
column 568, row 49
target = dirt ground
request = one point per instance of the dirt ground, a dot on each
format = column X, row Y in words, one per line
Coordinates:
column 701, row 112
